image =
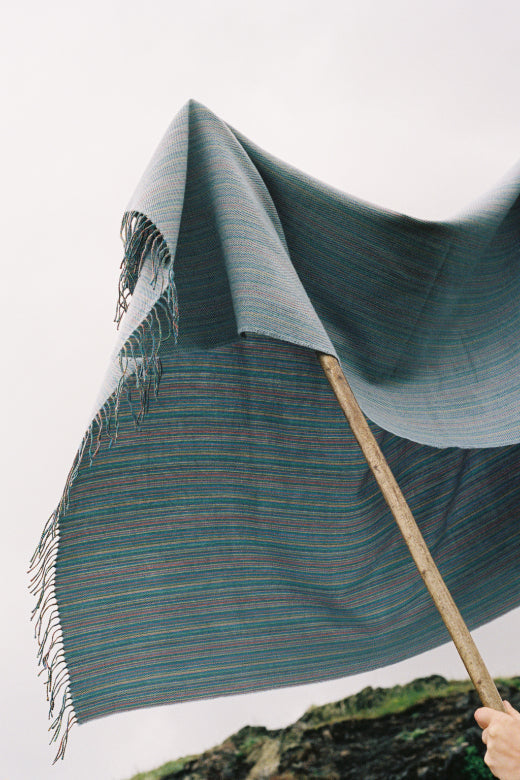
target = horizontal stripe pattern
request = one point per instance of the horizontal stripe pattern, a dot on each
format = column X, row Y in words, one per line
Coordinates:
column 236, row 541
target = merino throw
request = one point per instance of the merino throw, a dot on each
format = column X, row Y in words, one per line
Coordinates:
column 220, row 531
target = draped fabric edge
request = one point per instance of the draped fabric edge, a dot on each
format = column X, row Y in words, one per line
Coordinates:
column 140, row 368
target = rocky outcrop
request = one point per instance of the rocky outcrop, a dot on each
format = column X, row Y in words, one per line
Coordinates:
column 421, row 730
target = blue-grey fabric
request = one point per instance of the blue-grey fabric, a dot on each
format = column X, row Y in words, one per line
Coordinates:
column 424, row 316
column 220, row 531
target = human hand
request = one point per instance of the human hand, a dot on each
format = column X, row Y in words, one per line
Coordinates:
column 501, row 736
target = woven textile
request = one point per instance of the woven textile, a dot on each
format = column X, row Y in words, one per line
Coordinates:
column 220, row 531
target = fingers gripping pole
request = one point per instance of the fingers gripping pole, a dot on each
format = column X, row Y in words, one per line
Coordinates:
column 449, row 612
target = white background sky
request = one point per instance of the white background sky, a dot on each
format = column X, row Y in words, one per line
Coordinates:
column 411, row 104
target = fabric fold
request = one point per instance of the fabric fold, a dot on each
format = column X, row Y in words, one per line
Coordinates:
column 423, row 315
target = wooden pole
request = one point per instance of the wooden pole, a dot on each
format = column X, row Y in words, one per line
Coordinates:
column 449, row 612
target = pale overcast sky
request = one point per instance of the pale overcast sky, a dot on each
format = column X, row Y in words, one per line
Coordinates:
column 410, row 104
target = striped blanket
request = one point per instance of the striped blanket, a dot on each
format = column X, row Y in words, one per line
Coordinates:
column 219, row 531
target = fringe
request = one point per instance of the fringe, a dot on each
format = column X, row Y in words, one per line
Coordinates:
column 140, row 374
column 140, row 238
